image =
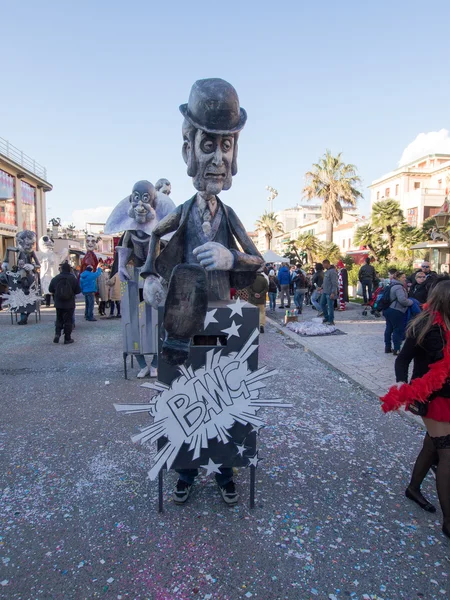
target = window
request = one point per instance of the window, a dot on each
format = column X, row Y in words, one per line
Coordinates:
column 7, row 191
column 439, row 183
column 416, row 185
column 349, row 242
column 387, row 192
column 396, row 189
column 378, row 195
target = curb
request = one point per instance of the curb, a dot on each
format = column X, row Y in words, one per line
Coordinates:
column 403, row 413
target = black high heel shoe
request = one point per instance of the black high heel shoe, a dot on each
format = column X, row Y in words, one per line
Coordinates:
column 421, row 501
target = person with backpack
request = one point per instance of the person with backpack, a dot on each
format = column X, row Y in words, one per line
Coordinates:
column 300, row 282
column 394, row 303
column 257, row 296
column 64, row 288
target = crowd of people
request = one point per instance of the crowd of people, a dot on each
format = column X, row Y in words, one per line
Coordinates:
column 324, row 287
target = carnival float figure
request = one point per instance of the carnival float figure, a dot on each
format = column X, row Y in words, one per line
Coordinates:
column 19, row 273
column 50, row 261
column 90, row 258
column 210, row 251
column 137, row 215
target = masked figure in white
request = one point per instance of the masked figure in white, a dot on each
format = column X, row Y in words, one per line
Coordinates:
column 50, row 261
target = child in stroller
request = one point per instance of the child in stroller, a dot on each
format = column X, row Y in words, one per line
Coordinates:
column 372, row 304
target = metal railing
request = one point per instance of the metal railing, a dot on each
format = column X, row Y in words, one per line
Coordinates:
column 22, row 159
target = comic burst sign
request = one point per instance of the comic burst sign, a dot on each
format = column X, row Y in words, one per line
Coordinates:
column 204, row 404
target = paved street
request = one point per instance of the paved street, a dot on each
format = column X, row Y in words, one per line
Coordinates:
column 79, row 519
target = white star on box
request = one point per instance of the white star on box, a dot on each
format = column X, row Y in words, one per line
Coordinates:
column 257, row 428
column 211, row 467
column 253, row 460
column 241, row 449
column 232, row 330
column 210, row 318
column 236, row 307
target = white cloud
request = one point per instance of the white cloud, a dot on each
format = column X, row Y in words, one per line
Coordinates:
column 91, row 215
column 433, row 142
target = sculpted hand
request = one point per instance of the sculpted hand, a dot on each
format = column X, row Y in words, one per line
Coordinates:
column 154, row 293
column 28, row 267
column 124, row 275
column 214, row 257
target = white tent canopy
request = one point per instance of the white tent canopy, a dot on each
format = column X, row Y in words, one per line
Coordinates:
column 271, row 256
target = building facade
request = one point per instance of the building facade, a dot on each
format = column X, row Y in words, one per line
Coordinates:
column 23, row 185
column 418, row 186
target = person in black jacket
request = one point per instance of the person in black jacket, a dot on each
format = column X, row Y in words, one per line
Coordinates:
column 419, row 288
column 427, row 343
column 64, row 288
column 367, row 278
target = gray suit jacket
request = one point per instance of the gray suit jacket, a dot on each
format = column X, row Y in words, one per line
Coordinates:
column 162, row 262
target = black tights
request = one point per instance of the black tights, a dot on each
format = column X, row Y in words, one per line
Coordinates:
column 434, row 450
column 442, row 445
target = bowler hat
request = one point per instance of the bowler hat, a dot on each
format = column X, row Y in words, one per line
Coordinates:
column 213, row 107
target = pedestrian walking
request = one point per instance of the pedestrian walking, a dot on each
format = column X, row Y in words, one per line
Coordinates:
column 88, row 284
column 257, row 293
column 284, row 279
column 395, row 313
column 113, row 284
column 330, row 290
column 64, row 288
column 273, row 288
column 428, row 395
column 367, row 278
column 317, row 281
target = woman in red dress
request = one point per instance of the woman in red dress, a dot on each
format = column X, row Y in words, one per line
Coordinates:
column 428, row 394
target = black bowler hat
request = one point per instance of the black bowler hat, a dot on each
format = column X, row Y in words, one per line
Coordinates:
column 213, row 107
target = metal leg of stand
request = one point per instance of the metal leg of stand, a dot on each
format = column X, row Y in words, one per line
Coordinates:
column 132, row 361
column 160, row 491
column 252, row 485
column 125, row 364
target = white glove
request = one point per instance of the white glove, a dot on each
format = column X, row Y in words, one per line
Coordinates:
column 214, row 257
column 28, row 267
column 154, row 293
column 5, row 267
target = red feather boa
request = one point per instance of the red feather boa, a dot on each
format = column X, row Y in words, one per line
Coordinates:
column 420, row 389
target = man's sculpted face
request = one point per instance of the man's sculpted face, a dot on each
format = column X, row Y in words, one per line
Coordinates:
column 142, row 201
column 214, row 155
column 26, row 243
column 91, row 242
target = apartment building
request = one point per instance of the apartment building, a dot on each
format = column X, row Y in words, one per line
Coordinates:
column 23, row 185
column 419, row 187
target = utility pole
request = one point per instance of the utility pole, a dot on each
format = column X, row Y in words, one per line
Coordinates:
column 271, row 198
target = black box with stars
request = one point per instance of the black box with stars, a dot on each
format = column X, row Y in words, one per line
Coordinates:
column 228, row 327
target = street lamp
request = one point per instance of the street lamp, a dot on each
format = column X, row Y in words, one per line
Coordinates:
column 273, row 195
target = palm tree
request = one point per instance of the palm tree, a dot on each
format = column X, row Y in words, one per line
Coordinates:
column 270, row 225
column 307, row 243
column 330, row 251
column 366, row 235
column 388, row 217
column 406, row 238
column 335, row 184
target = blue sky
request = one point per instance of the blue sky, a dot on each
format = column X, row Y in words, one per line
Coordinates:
column 91, row 90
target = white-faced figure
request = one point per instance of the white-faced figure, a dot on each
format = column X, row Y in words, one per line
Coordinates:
column 91, row 242
column 50, row 260
column 137, row 215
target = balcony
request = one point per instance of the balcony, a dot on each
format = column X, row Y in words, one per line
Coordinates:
column 23, row 160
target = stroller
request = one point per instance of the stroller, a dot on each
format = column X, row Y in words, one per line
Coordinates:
column 372, row 304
